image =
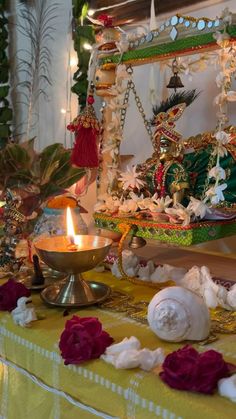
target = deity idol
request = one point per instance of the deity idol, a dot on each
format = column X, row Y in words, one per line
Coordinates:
column 164, row 172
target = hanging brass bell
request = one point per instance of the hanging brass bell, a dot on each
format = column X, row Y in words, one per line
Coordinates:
column 175, row 82
column 137, row 242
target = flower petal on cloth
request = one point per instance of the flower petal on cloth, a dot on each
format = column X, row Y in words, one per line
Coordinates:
column 227, row 387
column 149, row 359
column 126, row 343
column 127, row 354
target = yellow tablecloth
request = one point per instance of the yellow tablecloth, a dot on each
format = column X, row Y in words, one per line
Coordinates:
column 35, row 384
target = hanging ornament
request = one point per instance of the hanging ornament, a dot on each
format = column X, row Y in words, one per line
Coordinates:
column 153, row 23
column 108, row 36
column 175, row 81
column 86, row 128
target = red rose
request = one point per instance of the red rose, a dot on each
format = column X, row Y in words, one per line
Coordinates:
column 10, row 292
column 106, row 20
column 186, row 369
column 83, row 339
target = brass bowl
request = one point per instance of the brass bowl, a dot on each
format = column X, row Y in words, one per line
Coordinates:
column 73, row 291
column 54, row 251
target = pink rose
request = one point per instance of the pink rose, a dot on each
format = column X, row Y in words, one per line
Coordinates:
column 10, row 292
column 83, row 339
column 186, row 369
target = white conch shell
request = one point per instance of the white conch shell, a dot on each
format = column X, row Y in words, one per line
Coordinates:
column 176, row 314
column 23, row 315
column 227, row 387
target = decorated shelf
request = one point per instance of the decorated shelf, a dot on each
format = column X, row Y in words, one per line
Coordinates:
column 170, row 233
column 178, row 36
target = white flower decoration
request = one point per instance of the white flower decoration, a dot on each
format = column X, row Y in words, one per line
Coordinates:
column 131, row 179
column 181, row 212
column 217, row 172
column 115, row 122
column 128, row 206
column 121, row 71
column 198, row 208
column 221, row 37
column 220, row 150
column 220, row 98
column 135, row 197
column 160, row 204
column 222, row 136
column 145, row 203
column 116, row 105
column 231, row 96
column 222, row 78
column 215, row 193
column 107, row 203
column 227, row 16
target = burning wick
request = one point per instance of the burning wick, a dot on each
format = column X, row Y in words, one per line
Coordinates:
column 72, row 246
column 70, row 231
column 72, row 240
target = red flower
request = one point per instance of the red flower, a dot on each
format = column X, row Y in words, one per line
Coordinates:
column 83, row 339
column 106, row 20
column 186, row 369
column 71, row 127
column 10, row 292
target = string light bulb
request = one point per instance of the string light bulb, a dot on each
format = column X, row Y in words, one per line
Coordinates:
column 87, row 46
column 91, row 12
column 73, row 61
column 63, row 110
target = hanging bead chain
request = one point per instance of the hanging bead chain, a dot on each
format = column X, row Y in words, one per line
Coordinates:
column 159, row 178
column 131, row 86
column 100, row 150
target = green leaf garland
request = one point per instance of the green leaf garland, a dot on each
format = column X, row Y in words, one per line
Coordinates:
column 82, row 34
column 5, row 110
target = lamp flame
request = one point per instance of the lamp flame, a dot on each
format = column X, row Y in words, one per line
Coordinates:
column 69, row 224
column 75, row 240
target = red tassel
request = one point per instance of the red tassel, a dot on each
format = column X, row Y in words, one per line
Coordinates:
column 85, row 152
column 86, row 128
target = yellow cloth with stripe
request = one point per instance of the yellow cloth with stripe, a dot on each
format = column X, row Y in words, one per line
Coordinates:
column 100, row 389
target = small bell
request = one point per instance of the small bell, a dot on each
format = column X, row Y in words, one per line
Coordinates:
column 137, row 242
column 175, row 81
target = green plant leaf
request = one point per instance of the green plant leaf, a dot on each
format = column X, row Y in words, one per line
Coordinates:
column 16, row 157
column 4, row 91
column 5, row 115
column 4, row 131
column 48, row 156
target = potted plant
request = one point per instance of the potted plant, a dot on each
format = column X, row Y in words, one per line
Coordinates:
column 36, row 176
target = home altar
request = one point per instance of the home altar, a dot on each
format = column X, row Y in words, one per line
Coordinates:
column 185, row 193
